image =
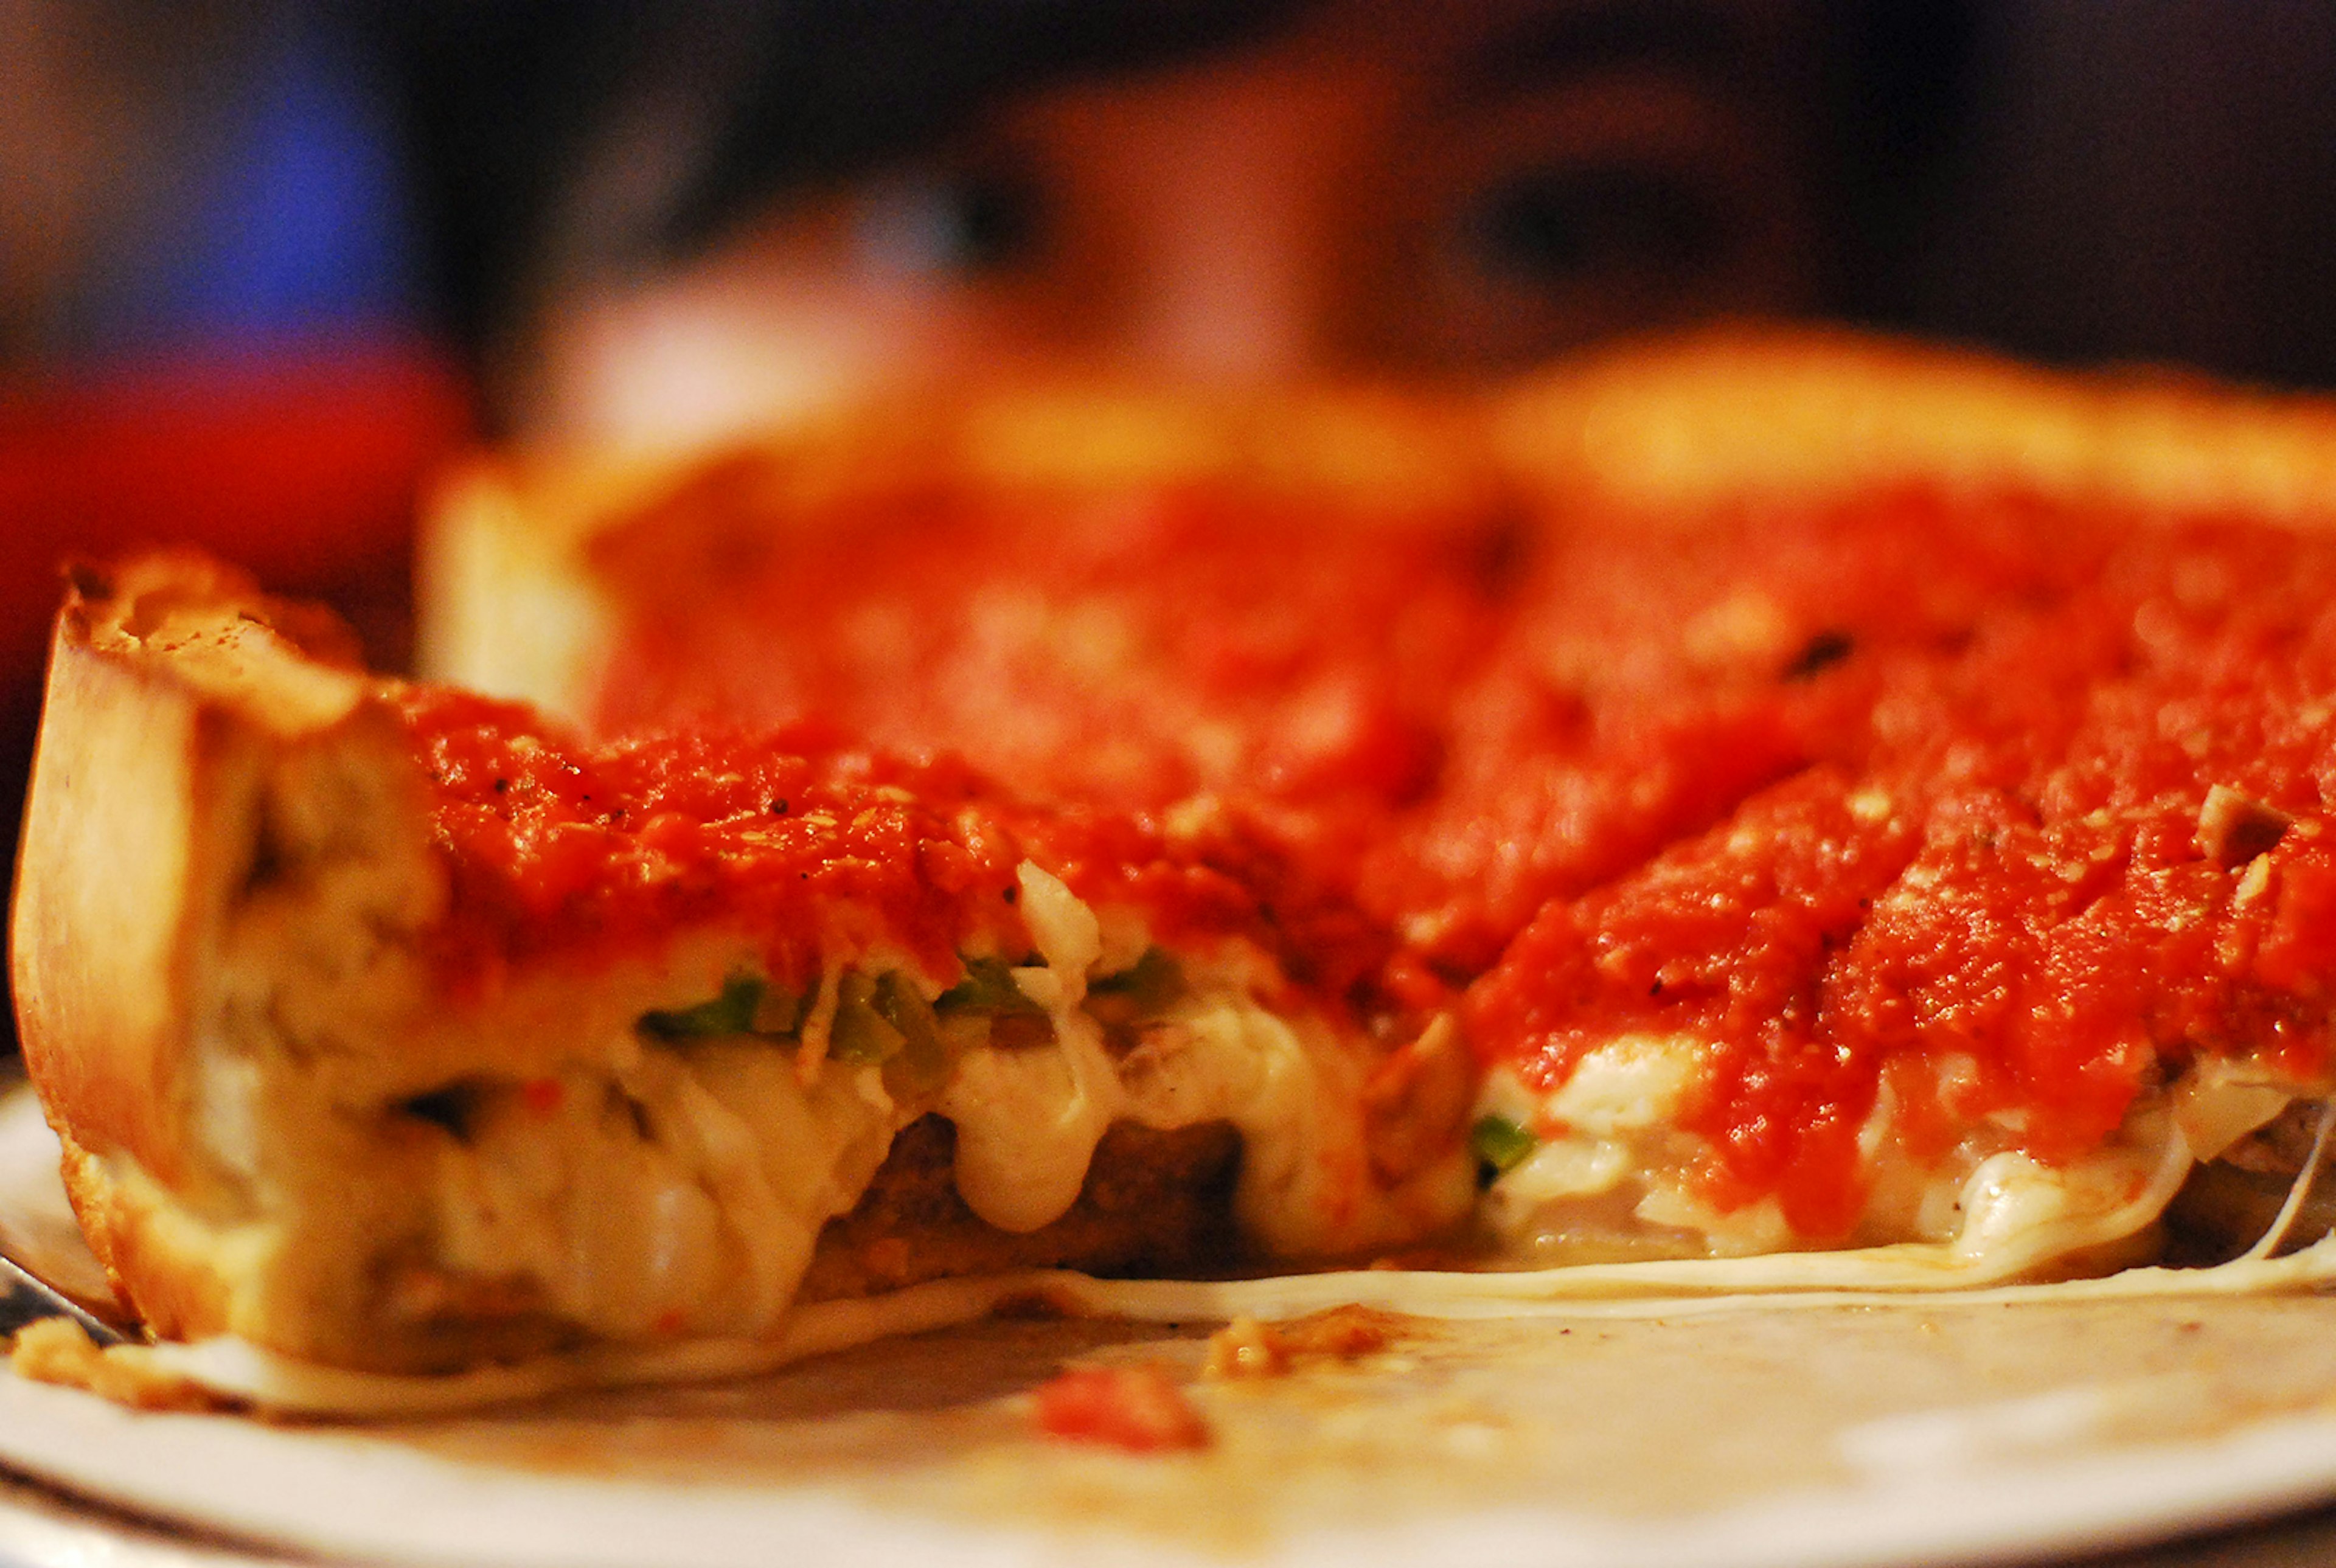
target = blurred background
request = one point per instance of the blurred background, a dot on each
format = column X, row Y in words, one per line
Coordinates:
column 263, row 264
column 2073, row 179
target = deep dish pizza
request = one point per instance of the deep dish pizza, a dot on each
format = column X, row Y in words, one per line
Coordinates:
column 1775, row 813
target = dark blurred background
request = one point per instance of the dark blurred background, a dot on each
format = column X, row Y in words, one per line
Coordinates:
column 2071, row 178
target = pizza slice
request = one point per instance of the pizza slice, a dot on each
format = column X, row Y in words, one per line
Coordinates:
column 394, row 1028
column 1911, row 788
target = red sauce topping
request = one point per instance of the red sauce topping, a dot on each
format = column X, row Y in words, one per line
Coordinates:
column 2002, row 884
column 555, row 845
column 1128, row 649
column 2012, row 807
column 1647, row 680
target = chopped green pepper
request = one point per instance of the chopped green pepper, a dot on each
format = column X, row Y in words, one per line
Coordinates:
column 731, row 1013
column 987, row 987
column 925, row 1059
column 1501, row 1142
column 859, row 1034
column 1151, row 984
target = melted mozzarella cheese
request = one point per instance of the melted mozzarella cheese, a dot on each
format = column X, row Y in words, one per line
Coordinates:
column 1028, row 1121
column 684, row 1189
column 1613, row 1177
column 683, row 1192
column 1609, row 1178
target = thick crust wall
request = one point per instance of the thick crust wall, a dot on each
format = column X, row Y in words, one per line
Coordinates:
column 520, row 593
column 1672, row 425
column 170, row 717
column 142, row 811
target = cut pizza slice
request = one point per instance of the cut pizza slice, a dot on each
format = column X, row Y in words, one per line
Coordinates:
column 391, row 1027
column 1933, row 843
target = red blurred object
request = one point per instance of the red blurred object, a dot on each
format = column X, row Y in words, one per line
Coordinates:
column 1137, row 1408
column 303, row 469
column 303, row 466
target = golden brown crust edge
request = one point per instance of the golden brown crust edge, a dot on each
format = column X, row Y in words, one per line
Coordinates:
column 142, row 797
column 176, row 1288
column 513, row 600
column 1674, row 423
column 106, row 884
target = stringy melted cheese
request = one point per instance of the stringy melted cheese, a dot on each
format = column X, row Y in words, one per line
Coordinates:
column 1028, row 1121
column 683, row 1194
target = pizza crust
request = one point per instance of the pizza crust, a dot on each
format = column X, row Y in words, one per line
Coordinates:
column 524, row 571
column 143, row 817
column 1668, row 426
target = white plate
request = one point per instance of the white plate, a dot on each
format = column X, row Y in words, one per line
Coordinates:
column 1931, row 1434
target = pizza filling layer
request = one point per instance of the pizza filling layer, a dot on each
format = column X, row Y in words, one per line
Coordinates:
column 1601, row 1171
column 1920, row 870
column 681, row 1186
column 552, row 1044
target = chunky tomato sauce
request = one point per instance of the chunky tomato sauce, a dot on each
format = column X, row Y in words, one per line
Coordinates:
column 1644, row 683
column 557, row 846
column 1131, row 651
